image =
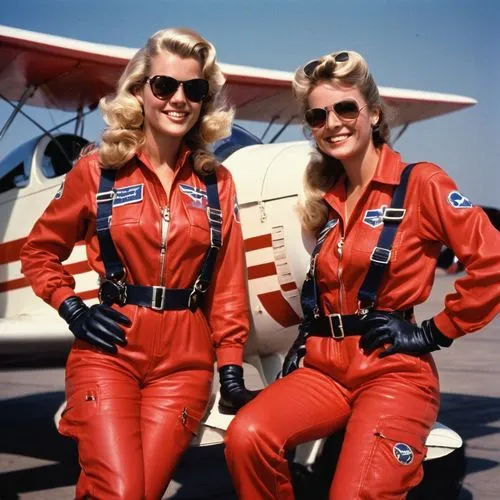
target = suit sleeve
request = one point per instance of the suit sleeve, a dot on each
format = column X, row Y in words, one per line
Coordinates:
column 447, row 216
column 54, row 235
column 227, row 303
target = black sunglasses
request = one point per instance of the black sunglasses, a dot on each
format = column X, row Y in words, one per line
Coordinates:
column 163, row 86
column 312, row 65
column 345, row 110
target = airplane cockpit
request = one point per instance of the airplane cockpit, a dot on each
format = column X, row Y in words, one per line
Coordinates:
column 49, row 155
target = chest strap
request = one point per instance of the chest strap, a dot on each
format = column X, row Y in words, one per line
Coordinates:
column 337, row 325
column 114, row 289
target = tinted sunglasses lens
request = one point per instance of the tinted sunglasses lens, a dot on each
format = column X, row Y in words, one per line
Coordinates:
column 346, row 109
column 342, row 57
column 163, row 86
column 196, row 90
column 316, row 117
column 310, row 67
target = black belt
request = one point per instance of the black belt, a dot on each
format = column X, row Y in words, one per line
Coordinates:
column 338, row 326
column 159, row 297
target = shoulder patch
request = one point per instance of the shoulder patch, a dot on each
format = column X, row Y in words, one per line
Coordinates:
column 128, row 194
column 458, row 200
column 59, row 193
column 236, row 210
column 403, row 453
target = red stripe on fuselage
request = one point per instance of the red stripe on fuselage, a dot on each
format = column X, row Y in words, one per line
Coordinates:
column 261, row 270
column 258, row 242
column 278, row 308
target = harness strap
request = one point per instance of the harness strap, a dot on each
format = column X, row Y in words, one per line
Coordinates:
column 105, row 196
column 381, row 254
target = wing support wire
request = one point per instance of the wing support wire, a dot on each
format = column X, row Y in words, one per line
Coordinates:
column 27, row 94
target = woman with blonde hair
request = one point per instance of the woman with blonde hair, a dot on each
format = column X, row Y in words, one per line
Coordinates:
column 156, row 213
column 380, row 224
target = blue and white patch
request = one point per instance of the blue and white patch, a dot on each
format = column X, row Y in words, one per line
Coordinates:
column 374, row 216
column 59, row 193
column 403, row 453
column 236, row 210
column 458, row 200
column 128, row 194
column 198, row 196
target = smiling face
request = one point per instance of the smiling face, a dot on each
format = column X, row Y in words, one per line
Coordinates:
column 343, row 139
column 176, row 115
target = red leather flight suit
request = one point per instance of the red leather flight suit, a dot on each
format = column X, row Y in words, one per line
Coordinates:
column 134, row 413
column 381, row 402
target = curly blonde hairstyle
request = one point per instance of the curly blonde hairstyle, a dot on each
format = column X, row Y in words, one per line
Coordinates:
column 123, row 113
column 323, row 170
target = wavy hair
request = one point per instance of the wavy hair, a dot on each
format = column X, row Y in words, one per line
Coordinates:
column 123, row 113
column 323, row 170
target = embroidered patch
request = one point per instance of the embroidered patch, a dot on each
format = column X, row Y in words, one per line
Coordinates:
column 403, row 453
column 59, row 193
column 198, row 196
column 128, row 194
column 458, row 200
column 374, row 216
column 236, row 210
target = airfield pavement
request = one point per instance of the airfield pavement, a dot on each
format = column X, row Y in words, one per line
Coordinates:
column 38, row 464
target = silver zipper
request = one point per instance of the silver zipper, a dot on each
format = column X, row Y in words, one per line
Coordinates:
column 165, row 223
column 340, row 249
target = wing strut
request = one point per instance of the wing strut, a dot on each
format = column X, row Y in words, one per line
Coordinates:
column 283, row 128
column 28, row 92
column 273, row 119
column 401, row 132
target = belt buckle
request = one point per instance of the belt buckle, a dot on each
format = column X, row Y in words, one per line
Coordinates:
column 336, row 326
column 161, row 299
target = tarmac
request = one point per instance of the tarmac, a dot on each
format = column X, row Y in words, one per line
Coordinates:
column 36, row 463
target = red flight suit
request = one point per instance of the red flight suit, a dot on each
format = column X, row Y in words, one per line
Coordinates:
column 134, row 413
column 388, row 405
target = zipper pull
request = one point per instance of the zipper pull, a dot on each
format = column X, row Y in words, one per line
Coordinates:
column 166, row 214
column 340, row 246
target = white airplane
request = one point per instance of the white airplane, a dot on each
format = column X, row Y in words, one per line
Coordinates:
column 66, row 74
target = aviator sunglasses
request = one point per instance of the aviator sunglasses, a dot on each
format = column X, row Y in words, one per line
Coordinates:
column 312, row 65
column 345, row 110
column 163, row 86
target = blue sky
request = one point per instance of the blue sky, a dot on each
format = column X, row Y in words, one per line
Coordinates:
column 449, row 46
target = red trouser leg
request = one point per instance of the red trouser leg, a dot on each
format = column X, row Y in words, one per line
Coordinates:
column 170, row 416
column 106, row 427
column 303, row 406
column 383, row 449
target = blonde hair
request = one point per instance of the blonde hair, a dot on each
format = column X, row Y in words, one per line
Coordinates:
column 123, row 113
column 323, row 170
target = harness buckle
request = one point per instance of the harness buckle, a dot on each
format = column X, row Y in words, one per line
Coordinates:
column 158, row 298
column 105, row 197
column 112, row 292
column 381, row 255
column 336, row 326
column 393, row 214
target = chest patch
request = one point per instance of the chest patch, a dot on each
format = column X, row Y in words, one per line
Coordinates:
column 236, row 210
column 374, row 216
column 326, row 229
column 128, row 194
column 197, row 195
column 458, row 200
column 403, row 453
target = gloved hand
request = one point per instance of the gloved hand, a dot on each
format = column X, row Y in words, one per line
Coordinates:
column 233, row 393
column 404, row 336
column 294, row 355
column 96, row 325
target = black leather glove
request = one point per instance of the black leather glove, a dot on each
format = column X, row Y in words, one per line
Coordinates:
column 96, row 325
column 404, row 336
column 294, row 355
column 233, row 393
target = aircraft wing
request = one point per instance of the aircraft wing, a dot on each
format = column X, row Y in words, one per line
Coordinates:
column 68, row 74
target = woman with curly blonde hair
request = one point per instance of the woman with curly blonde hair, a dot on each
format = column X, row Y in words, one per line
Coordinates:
column 157, row 214
column 380, row 224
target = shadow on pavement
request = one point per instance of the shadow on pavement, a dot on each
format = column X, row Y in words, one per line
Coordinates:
column 27, row 430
